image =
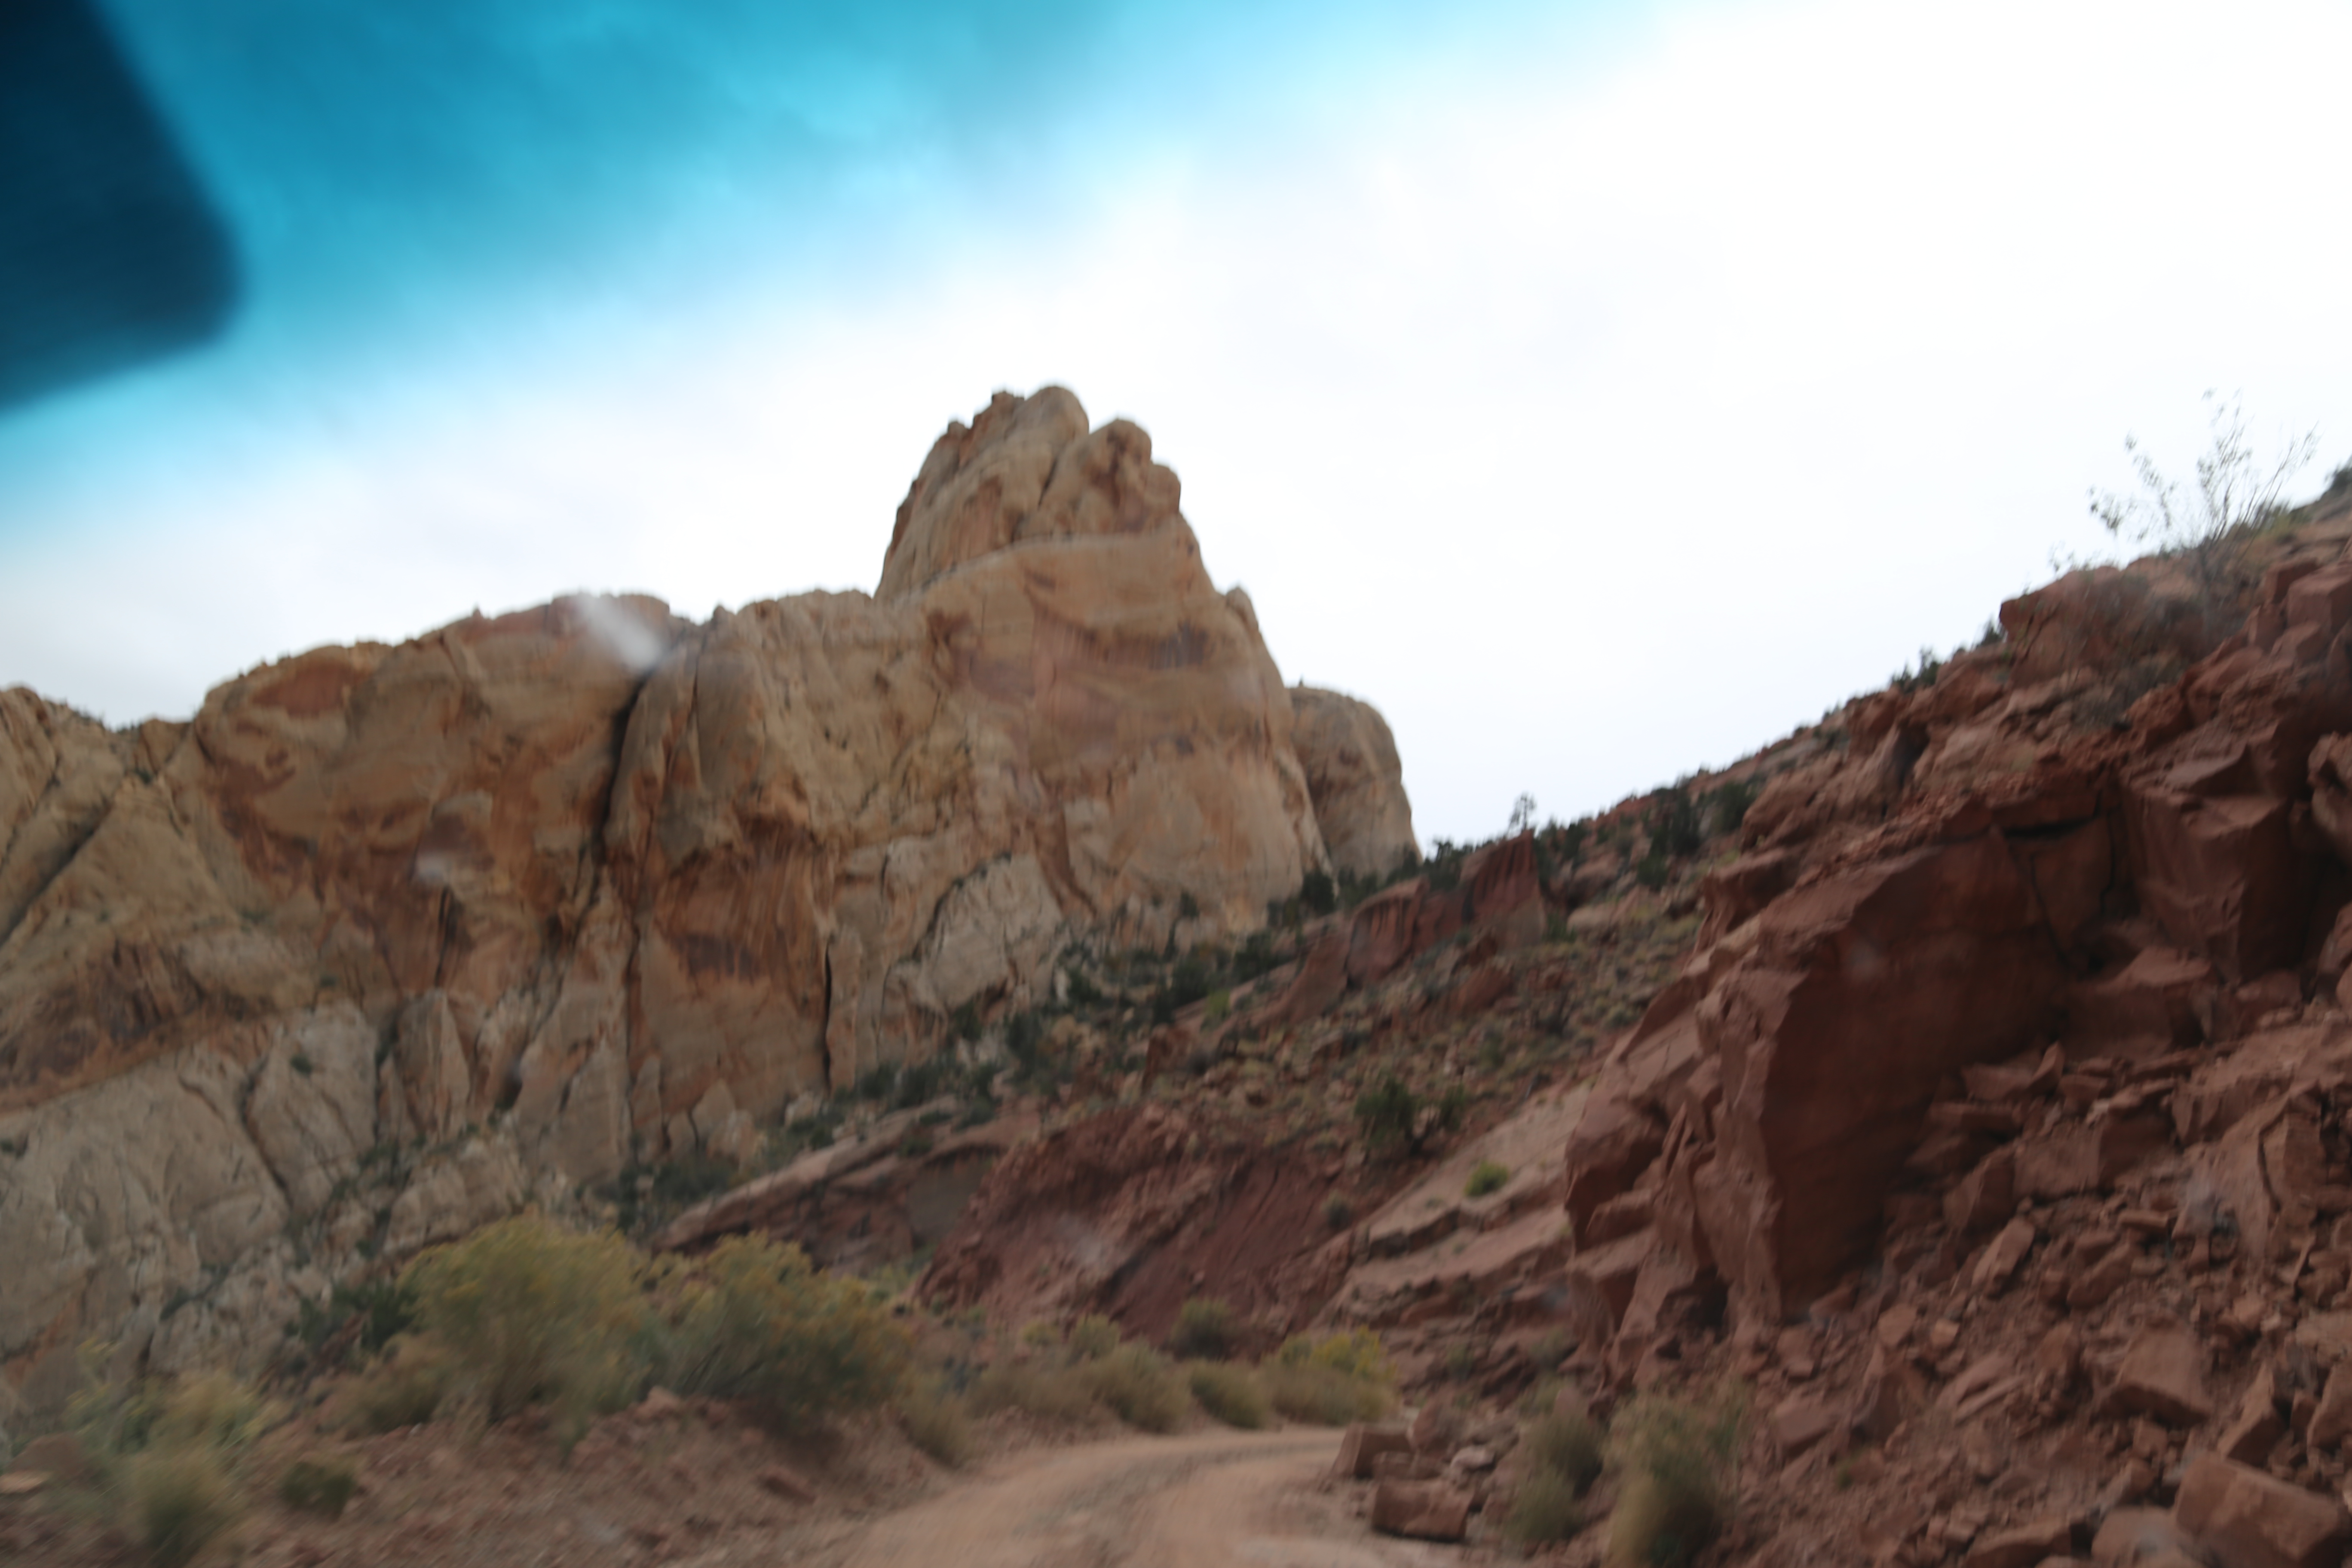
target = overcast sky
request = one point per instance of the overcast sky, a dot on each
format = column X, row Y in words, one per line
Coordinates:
column 1603, row 390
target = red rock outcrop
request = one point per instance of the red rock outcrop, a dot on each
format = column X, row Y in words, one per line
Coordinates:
column 2076, row 837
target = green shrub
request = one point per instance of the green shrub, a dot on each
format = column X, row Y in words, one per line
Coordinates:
column 1568, row 1443
column 936, row 1423
column 755, row 1321
column 1332, row 1380
column 1353, row 1352
column 1338, row 1212
column 1488, row 1177
column 527, row 1313
column 1218, row 1007
column 211, row 1411
column 1060, row 1394
column 1547, row 1509
column 1093, row 1337
column 322, row 1487
column 1730, row 800
column 1135, row 1383
column 1322, row 1396
column 403, row 1388
column 1319, row 893
column 1385, row 1114
column 1230, row 1394
column 1203, row 1328
column 1676, row 1499
column 183, row 1498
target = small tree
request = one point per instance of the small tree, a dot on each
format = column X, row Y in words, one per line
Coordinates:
column 2236, row 493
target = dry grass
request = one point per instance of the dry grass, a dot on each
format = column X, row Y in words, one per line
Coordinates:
column 937, row 1422
column 1330, row 1381
column 1054, row 1393
column 183, row 1497
column 1229, row 1394
column 1547, row 1508
column 1676, row 1498
column 1138, row 1385
column 403, row 1388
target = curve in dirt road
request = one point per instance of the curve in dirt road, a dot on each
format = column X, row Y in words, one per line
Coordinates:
column 1191, row 1501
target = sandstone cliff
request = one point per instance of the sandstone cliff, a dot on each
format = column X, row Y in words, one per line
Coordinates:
column 511, row 905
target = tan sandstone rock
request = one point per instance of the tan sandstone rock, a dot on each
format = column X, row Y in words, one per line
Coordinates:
column 536, row 895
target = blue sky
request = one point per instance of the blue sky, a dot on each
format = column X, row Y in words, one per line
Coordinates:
column 1602, row 390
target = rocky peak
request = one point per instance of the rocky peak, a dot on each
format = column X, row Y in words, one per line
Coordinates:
column 1027, row 468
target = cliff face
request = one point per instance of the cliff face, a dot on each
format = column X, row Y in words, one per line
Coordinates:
column 535, row 896
column 2107, row 838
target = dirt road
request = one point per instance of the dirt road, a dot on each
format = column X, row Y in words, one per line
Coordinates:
column 1208, row 1499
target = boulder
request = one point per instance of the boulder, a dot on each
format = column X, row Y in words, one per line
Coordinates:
column 2247, row 1518
column 1426, row 1510
column 1361, row 1445
column 1801, row 1420
column 2213, row 860
column 2162, row 1373
column 2021, row 1546
column 1943, row 948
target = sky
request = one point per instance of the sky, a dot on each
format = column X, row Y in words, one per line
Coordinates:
column 1602, row 390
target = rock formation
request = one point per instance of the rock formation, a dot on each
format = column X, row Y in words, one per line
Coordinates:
column 2106, row 835
column 534, row 896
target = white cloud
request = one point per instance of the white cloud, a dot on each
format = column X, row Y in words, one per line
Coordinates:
column 1596, row 420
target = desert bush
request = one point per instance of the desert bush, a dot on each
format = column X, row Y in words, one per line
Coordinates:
column 1568, row 1443
column 1218, row 1007
column 1056, row 1393
column 1319, row 893
column 1338, row 1212
column 1093, row 1337
column 1385, row 1114
column 1673, row 823
column 529, row 1312
column 173, row 1454
column 183, row 1498
column 755, row 1321
column 1135, row 1384
column 322, row 1487
column 1488, row 1177
column 1203, row 1328
column 1330, row 1381
column 1729, row 802
column 403, row 1388
column 1355, row 1352
column 1676, row 1497
column 2237, row 495
column 936, row 1421
column 1230, row 1394
column 1551, row 1348
column 1321, row 1396
column 1546, row 1509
